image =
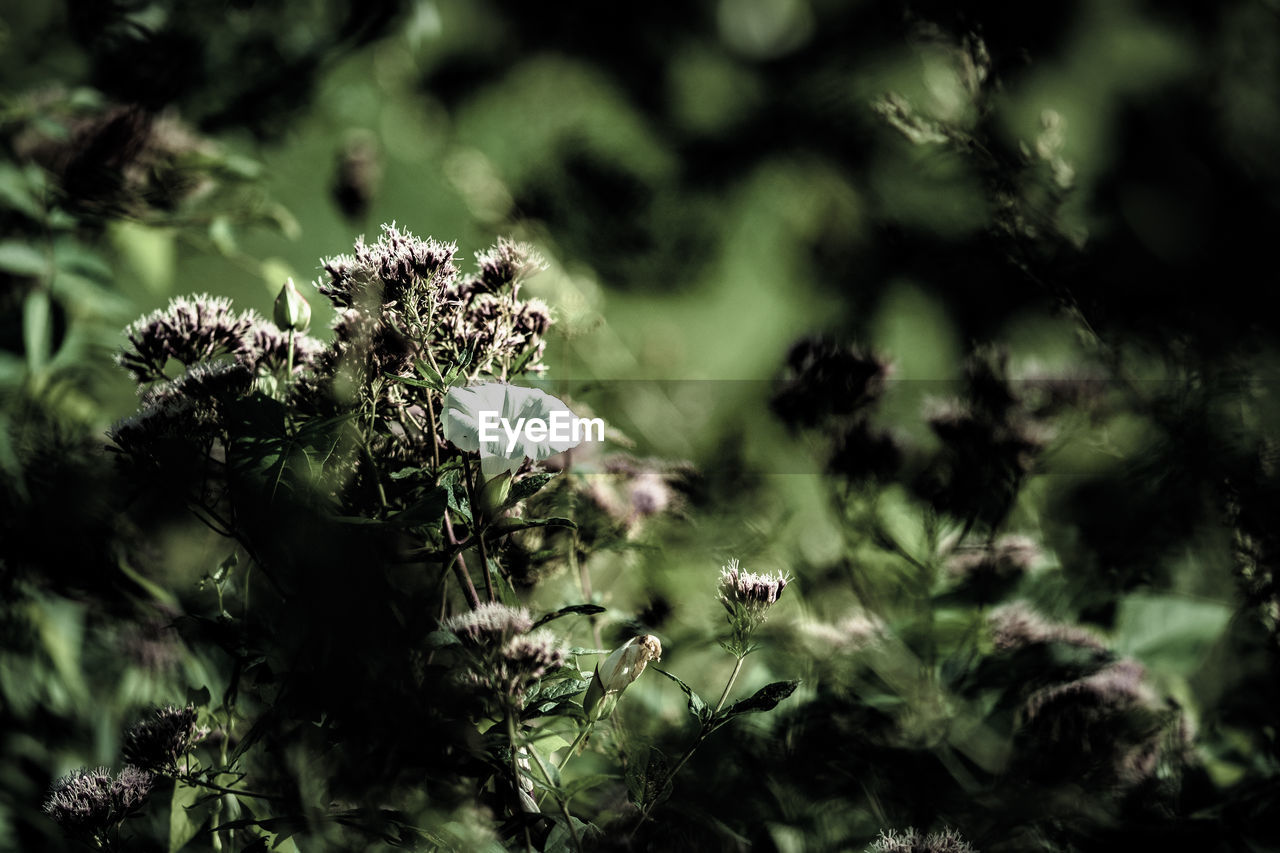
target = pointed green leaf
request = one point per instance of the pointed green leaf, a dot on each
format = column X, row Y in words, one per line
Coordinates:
column 697, row 707
column 585, row 609
column 764, row 699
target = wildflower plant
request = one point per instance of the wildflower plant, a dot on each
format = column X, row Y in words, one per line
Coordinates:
column 160, row 742
column 91, row 805
column 748, row 597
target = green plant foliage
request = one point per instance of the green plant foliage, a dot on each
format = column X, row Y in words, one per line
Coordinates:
column 939, row 470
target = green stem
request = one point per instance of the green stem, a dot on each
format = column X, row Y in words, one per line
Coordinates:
column 187, row 779
column 474, row 490
column 732, row 678
column 564, row 809
column 573, row 749
column 702, row 735
column 515, row 771
column 460, row 567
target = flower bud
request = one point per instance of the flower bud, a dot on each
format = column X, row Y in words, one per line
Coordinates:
column 617, row 671
column 493, row 494
column 291, row 310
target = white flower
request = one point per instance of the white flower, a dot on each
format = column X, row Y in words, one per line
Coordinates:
column 508, row 424
column 619, row 669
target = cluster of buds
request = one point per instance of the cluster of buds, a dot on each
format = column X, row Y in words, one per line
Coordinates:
column 748, row 597
column 504, row 655
column 90, row 804
column 619, row 669
column 911, row 841
column 1017, row 625
column 159, row 742
column 1110, row 728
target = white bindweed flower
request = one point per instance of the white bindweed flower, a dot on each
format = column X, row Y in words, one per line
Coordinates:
column 508, row 424
column 619, row 669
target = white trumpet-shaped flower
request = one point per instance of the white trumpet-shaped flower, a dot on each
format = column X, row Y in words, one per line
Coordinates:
column 508, row 424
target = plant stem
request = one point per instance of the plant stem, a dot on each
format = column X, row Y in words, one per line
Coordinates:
column 702, row 735
column 564, row 809
column 201, row 783
column 573, row 748
column 732, row 678
column 515, row 772
column 460, row 567
column 479, row 531
column 584, row 581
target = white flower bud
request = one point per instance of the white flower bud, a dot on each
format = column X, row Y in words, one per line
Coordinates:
column 619, row 669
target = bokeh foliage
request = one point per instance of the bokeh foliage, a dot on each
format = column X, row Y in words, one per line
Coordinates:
column 1022, row 466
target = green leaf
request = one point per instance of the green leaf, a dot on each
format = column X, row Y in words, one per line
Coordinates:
column 560, row 840
column 527, row 487
column 513, row 525
column 506, row 592
column 523, row 360
column 186, row 815
column 409, row 380
column 452, row 481
column 435, row 381
column 697, row 707
column 649, row 784
column 16, row 192
column 1168, row 632
column 764, row 699
column 37, row 328
column 428, row 510
column 441, row 639
column 577, row 786
column 222, row 235
column 18, row 258
column 585, row 609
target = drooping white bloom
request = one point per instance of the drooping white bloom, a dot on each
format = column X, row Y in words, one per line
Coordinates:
column 618, row 670
column 508, row 424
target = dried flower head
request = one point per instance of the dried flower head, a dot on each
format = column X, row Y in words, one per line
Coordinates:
column 489, row 624
column 398, row 266
column 160, row 741
column 81, row 801
column 863, row 452
column 504, row 265
column 131, row 787
column 755, row 592
column 990, row 570
column 748, row 597
column 1118, row 685
column 89, row 803
column 855, row 632
column 1108, row 728
column 1017, row 625
column 192, row 329
column 826, row 380
column 911, row 841
column 526, row 658
column 503, row 665
column 1008, row 556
